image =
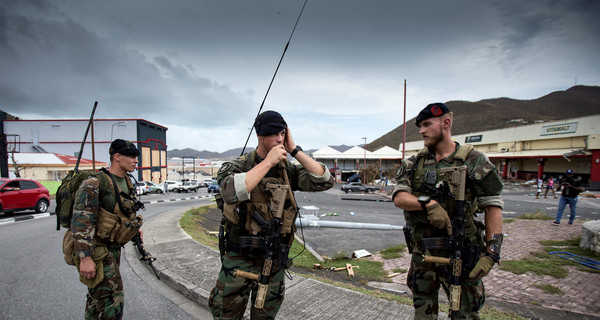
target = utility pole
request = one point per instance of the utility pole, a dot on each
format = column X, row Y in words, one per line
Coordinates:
column 404, row 123
column 365, row 164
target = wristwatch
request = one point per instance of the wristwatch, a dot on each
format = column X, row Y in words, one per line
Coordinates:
column 296, row 150
column 424, row 200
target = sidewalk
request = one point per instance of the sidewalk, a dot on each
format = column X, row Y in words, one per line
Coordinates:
column 192, row 268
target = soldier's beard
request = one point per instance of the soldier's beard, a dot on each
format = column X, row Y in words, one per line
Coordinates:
column 433, row 140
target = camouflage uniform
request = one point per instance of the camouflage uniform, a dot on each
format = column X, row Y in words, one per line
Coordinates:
column 106, row 300
column 230, row 296
column 483, row 189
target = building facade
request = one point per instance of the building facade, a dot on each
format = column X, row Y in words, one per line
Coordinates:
column 65, row 137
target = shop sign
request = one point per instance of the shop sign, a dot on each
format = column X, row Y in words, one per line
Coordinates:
column 471, row 139
column 559, row 129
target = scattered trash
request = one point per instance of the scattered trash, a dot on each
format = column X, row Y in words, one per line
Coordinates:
column 329, row 214
column 350, row 268
column 352, row 213
column 317, row 266
column 391, row 275
column 360, row 253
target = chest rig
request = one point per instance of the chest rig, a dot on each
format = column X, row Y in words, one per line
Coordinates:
column 271, row 199
column 120, row 224
column 429, row 180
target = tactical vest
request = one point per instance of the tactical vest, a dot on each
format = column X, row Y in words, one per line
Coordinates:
column 264, row 198
column 418, row 219
column 122, row 224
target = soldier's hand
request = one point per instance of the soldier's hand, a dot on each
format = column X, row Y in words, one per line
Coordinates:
column 289, row 143
column 438, row 217
column 482, row 268
column 276, row 155
column 87, row 268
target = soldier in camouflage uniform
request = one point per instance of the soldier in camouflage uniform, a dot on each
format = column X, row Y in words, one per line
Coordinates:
column 431, row 218
column 105, row 300
column 240, row 181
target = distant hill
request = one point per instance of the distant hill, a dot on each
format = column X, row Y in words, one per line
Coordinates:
column 491, row 114
column 488, row 114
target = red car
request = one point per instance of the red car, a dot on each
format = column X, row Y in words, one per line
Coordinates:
column 23, row 194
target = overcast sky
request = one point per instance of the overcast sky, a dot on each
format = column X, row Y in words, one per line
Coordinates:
column 202, row 68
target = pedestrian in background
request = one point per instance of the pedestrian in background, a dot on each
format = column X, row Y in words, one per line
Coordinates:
column 550, row 186
column 540, row 183
column 166, row 187
column 570, row 193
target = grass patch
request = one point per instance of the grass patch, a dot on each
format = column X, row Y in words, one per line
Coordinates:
column 191, row 222
column 536, row 266
column 400, row 270
column 371, row 270
column 52, row 186
column 537, row 215
column 548, row 288
column 544, row 263
column 393, row 252
column 509, row 220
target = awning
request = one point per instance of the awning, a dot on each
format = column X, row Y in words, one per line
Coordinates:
column 546, row 153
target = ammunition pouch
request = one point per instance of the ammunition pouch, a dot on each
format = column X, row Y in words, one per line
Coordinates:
column 68, row 247
column 117, row 227
column 259, row 245
column 99, row 252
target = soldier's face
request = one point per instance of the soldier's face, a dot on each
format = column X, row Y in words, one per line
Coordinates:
column 431, row 131
column 270, row 141
column 128, row 163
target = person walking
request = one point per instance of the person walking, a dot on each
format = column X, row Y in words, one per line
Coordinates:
column 104, row 220
column 540, row 184
column 248, row 194
column 570, row 194
column 550, row 186
column 422, row 192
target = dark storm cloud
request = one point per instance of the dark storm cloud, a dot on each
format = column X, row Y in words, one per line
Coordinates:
column 54, row 66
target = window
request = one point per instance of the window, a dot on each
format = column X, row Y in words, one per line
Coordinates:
column 27, row 185
column 56, row 127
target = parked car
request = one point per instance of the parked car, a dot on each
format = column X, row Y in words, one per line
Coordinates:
column 141, row 187
column 357, row 187
column 154, row 187
column 173, row 185
column 23, row 194
column 187, row 186
column 213, row 187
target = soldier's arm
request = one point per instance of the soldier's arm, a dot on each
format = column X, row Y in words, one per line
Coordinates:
column 493, row 222
column 83, row 224
column 85, row 216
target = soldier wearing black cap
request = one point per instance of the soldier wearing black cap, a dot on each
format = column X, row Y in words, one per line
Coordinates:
column 103, row 221
column 248, row 185
column 422, row 192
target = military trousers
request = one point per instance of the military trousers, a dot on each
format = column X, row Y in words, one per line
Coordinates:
column 229, row 298
column 106, row 300
column 425, row 279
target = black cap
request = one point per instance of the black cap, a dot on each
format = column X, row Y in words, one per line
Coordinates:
column 437, row 109
column 123, row 147
column 269, row 122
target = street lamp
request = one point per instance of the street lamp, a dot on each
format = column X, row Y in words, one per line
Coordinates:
column 111, row 129
column 365, row 164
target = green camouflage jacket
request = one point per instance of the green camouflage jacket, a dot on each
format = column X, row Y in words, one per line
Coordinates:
column 85, row 211
column 232, row 178
column 482, row 176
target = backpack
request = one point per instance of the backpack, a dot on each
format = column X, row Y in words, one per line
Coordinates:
column 65, row 195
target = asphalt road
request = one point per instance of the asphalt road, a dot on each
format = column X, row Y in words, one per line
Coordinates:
column 35, row 283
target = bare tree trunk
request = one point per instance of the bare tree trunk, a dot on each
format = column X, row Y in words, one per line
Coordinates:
column 15, row 165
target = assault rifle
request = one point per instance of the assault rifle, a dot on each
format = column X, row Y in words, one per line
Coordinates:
column 276, row 250
column 461, row 255
column 146, row 256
